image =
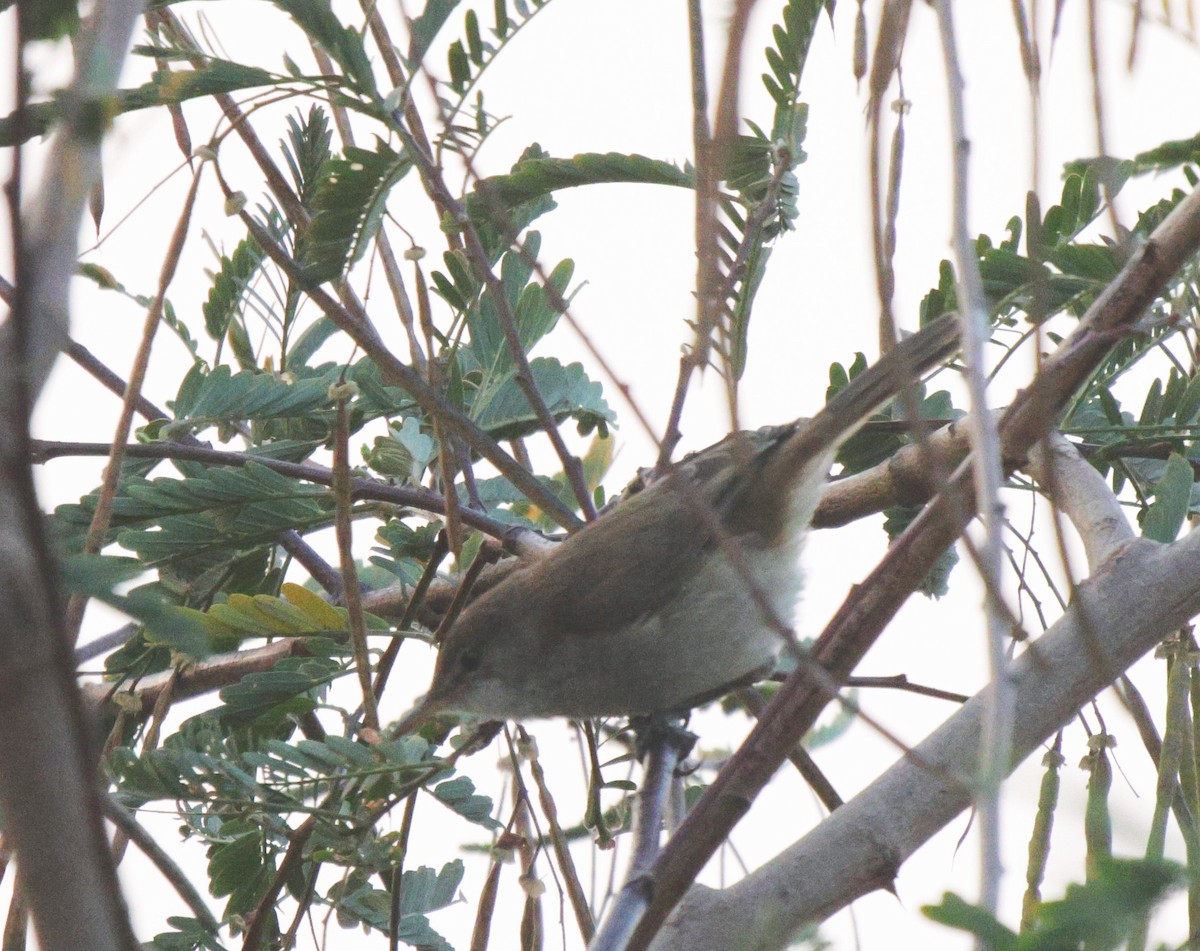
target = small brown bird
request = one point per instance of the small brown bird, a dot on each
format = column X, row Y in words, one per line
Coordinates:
column 676, row 594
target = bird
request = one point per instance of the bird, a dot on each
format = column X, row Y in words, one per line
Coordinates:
column 676, row 595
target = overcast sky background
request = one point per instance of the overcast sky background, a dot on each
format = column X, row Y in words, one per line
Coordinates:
column 613, row 76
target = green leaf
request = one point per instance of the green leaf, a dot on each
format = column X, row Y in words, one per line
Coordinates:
column 424, row 890
column 488, row 344
column 405, row 452
column 286, row 406
column 500, row 226
column 1168, row 155
column 229, row 286
column 956, row 913
column 426, row 27
column 267, row 697
column 235, row 862
column 459, row 794
column 460, row 68
column 1096, row 262
column 1152, row 407
column 207, row 518
column 243, row 869
column 307, row 149
column 167, row 87
column 535, row 177
column 189, row 935
column 349, row 205
column 474, row 41
column 302, row 350
column 936, row 583
column 1112, row 408
column 1189, row 403
column 566, row 390
column 344, row 45
column 357, row 902
column 1172, row 496
column 100, row 576
column 787, row 58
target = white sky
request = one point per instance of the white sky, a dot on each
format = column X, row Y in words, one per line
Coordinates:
column 613, row 77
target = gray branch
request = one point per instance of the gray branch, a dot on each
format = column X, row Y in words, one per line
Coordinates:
column 49, row 790
column 1137, row 595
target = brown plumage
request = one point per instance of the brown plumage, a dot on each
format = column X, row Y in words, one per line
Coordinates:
column 668, row 598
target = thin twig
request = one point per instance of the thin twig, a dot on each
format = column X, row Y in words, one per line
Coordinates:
column 124, row 820
column 383, row 669
column 988, row 477
column 558, row 842
column 893, row 28
column 363, row 488
column 342, row 494
column 705, row 223
column 86, row 359
column 397, row 874
column 901, row 682
column 754, row 704
column 98, row 528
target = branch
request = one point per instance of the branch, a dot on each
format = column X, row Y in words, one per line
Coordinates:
column 987, row 469
column 362, row 488
column 71, row 171
column 49, row 790
column 1122, row 612
column 908, row 477
column 872, row 604
column 202, row 677
column 1084, row 497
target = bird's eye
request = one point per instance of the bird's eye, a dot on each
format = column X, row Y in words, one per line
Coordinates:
column 468, row 661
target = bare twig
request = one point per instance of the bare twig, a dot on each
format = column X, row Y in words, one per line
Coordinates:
column 558, row 842
column 893, row 27
column 98, row 528
column 988, row 477
column 364, row 489
column 124, row 820
column 711, row 159
column 198, row 678
column 49, row 790
column 412, row 604
column 342, row 493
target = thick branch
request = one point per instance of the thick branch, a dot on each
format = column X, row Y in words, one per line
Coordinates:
column 49, row 790
column 204, row 676
column 908, row 477
column 1119, row 615
column 1084, row 497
